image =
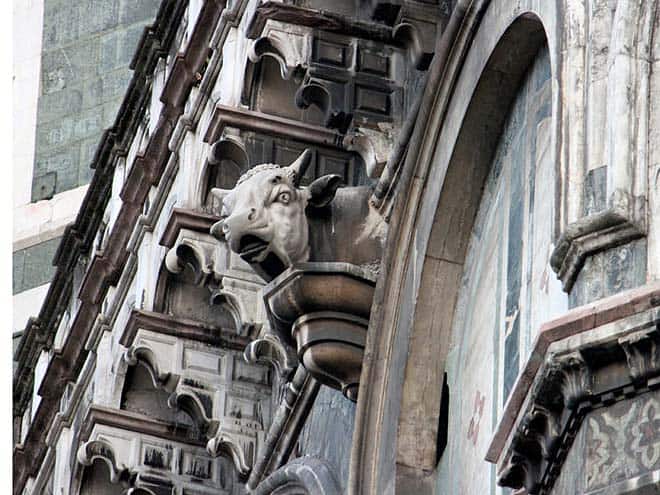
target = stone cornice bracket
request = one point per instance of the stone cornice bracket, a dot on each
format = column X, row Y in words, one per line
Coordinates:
column 643, row 356
column 230, row 148
column 287, row 49
column 144, row 354
column 197, row 405
column 100, row 449
column 271, row 349
column 197, row 255
column 374, row 147
column 543, row 425
column 420, row 50
column 575, row 379
column 224, row 443
column 538, row 437
column 233, row 299
column 588, row 236
column 520, row 472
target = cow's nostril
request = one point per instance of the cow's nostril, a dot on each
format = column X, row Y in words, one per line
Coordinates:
column 251, row 214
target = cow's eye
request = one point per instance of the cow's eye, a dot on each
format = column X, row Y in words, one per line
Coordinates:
column 284, row 197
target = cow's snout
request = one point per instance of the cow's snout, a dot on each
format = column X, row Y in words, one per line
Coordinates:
column 238, row 225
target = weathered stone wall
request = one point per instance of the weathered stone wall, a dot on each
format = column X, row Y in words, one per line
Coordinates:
column 507, row 289
column 328, row 432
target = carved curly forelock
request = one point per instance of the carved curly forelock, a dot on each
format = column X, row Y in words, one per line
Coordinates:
column 290, row 173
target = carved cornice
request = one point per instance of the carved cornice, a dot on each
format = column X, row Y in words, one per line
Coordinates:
column 138, row 423
column 225, row 338
column 237, row 438
column 182, row 218
column 323, row 20
column 573, row 380
column 583, row 319
column 224, row 116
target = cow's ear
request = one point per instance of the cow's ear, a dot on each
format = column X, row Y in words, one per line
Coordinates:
column 322, row 190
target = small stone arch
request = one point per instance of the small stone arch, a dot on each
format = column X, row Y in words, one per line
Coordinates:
column 227, row 161
column 96, row 471
column 185, row 295
column 267, row 90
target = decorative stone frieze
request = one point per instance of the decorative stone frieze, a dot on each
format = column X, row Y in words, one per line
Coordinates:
column 227, row 399
column 144, row 455
column 591, row 366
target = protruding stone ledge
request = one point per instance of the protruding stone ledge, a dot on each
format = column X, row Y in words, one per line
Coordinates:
column 588, row 236
column 323, row 310
column 588, row 360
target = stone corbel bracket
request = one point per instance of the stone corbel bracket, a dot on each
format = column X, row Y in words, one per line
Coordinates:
column 229, row 147
column 101, row 449
column 197, row 254
column 643, row 355
column 271, row 349
column 591, row 368
column 191, row 396
column 588, row 236
column 241, row 298
column 141, row 352
column 238, row 440
column 197, row 402
column 314, row 91
column 287, row 47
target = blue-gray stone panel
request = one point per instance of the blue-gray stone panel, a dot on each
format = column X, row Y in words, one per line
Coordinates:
column 86, row 49
column 33, row 266
column 328, row 432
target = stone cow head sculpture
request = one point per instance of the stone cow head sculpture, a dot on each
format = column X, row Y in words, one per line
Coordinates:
column 264, row 217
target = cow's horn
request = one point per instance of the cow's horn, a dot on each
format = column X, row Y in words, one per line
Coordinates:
column 300, row 166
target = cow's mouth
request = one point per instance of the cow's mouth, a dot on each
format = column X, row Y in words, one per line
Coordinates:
column 252, row 248
column 256, row 252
